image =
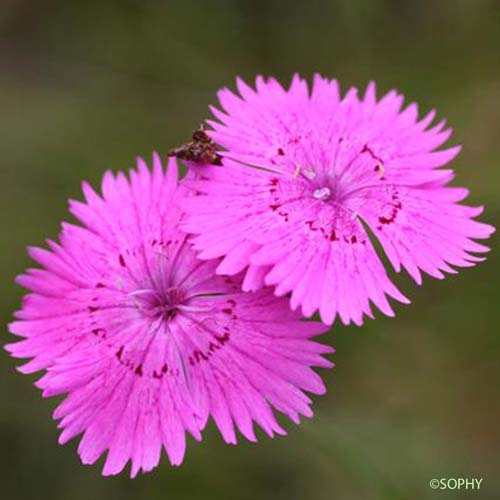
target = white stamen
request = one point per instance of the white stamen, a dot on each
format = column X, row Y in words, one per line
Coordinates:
column 309, row 174
column 297, row 171
column 322, row 194
column 146, row 291
column 194, row 309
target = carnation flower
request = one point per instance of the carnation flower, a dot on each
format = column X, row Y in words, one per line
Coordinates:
column 147, row 341
column 311, row 180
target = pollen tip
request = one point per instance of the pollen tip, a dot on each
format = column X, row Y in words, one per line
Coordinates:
column 322, row 193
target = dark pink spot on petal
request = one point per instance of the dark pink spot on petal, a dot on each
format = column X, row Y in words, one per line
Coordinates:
column 222, row 338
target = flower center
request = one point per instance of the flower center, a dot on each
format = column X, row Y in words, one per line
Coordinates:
column 156, row 304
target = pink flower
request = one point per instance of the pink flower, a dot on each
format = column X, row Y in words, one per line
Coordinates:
column 147, row 341
column 304, row 176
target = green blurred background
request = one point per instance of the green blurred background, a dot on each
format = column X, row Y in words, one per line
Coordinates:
column 88, row 85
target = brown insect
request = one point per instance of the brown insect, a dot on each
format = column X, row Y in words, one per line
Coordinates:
column 201, row 149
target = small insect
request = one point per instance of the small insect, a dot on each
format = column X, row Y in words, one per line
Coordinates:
column 380, row 169
column 379, row 166
column 201, row 149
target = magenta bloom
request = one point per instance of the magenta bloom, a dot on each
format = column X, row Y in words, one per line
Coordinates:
column 305, row 174
column 147, row 341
